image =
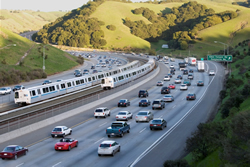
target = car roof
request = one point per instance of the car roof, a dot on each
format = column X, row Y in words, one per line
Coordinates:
column 183, row 84
column 12, row 145
column 157, row 119
column 143, row 111
column 60, row 126
column 108, row 142
column 101, row 107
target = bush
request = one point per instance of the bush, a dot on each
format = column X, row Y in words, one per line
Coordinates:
column 111, row 27
column 223, row 94
column 176, row 163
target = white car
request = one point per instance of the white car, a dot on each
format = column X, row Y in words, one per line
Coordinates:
column 108, row 147
column 211, row 72
column 124, row 115
column 61, row 131
column 172, row 66
column 166, row 62
column 102, row 112
column 177, row 81
column 166, row 78
column 168, row 98
column 5, row 90
column 98, row 65
column 183, row 87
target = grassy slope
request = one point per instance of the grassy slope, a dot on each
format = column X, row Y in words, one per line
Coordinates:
column 27, row 19
column 57, row 60
column 114, row 12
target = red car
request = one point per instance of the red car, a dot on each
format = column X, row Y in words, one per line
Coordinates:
column 171, row 86
column 66, row 144
column 13, row 151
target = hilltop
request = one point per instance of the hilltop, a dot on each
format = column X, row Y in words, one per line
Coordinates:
column 26, row 20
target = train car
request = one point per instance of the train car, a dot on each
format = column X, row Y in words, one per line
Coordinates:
column 43, row 92
column 127, row 76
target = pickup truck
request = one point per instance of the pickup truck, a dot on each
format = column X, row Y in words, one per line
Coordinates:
column 118, row 128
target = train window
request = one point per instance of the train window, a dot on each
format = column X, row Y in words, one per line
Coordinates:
column 57, row 87
column 62, row 86
column 85, row 79
column 129, row 74
column 142, row 69
column 69, row 84
column 134, row 73
column 93, row 78
column 82, row 80
column 45, row 90
column 102, row 76
column 77, row 82
column 73, row 83
column 114, row 79
column 126, row 75
column 33, row 92
column 107, row 74
column 99, row 76
column 110, row 73
column 50, row 88
column 38, row 91
column 89, row 79
column 115, row 72
column 125, row 69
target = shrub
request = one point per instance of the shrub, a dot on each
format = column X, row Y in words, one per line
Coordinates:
column 111, row 27
column 223, row 94
column 176, row 163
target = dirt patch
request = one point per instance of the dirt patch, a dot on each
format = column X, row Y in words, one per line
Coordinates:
column 67, row 56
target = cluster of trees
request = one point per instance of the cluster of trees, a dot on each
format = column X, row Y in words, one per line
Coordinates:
column 13, row 76
column 179, row 27
column 74, row 29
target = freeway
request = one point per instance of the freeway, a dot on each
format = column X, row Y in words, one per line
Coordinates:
column 90, row 132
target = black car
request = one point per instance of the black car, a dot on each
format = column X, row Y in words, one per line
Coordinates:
column 185, row 72
column 191, row 96
column 158, row 104
column 191, row 71
column 47, row 82
column 179, row 76
column 158, row 123
column 92, row 67
column 78, row 74
column 143, row 93
column 144, row 102
column 18, row 87
column 200, row 83
column 165, row 90
column 172, row 71
column 123, row 103
column 95, row 71
column 170, row 75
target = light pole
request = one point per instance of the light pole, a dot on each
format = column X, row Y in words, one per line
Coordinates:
column 44, row 58
column 8, row 45
column 224, row 46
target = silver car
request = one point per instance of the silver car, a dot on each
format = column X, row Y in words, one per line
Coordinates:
column 108, row 147
column 144, row 116
column 124, row 115
column 168, row 98
column 183, row 87
column 5, row 90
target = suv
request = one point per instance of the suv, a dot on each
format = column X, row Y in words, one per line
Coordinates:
column 102, row 112
column 187, row 82
column 143, row 93
column 172, row 71
column 61, row 131
column 165, row 90
column 158, row 103
column 5, row 90
column 211, row 72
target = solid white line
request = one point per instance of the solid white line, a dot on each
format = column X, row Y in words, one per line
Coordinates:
column 142, row 130
column 19, row 164
column 56, row 164
column 102, row 124
column 174, row 106
column 161, row 116
column 99, row 140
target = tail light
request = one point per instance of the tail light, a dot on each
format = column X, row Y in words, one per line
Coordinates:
column 158, row 124
column 119, row 130
column 100, row 145
column 110, row 145
column 145, row 117
column 124, row 117
column 136, row 117
column 106, row 130
column 116, row 116
column 151, row 125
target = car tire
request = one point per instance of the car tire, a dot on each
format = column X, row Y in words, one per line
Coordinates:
column 119, row 149
column 95, row 116
column 121, row 134
column 128, row 131
column 63, row 135
column 108, row 136
column 109, row 114
column 3, row 158
column 15, row 157
column 99, row 155
column 70, row 132
column 151, row 128
column 52, row 136
column 104, row 116
column 162, row 128
column 69, row 148
column 136, row 121
column 152, row 108
column 113, row 153
column 25, row 153
column 76, row 144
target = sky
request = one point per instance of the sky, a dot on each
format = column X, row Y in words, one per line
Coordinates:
column 43, row 5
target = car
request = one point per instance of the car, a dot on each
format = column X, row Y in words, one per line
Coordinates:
column 123, row 103
column 95, row 71
column 171, row 86
column 187, row 82
column 144, row 102
column 108, row 147
column 172, row 59
column 200, row 83
column 143, row 93
column 13, row 152
column 5, row 90
column 191, row 71
column 167, row 78
column 170, row 75
column 158, row 123
column 185, row 72
column 61, row 131
column 59, row 80
column 78, row 70
column 85, row 71
column 118, row 128
column 183, row 87
column 92, row 67
column 211, row 72
column 124, row 115
column 177, row 81
column 18, row 87
column 46, row 82
column 172, row 71
column 144, row 116
column 102, row 112
column 159, row 83
column 165, row 90
column 191, row 96
column 158, row 104
column 166, row 62
column 167, row 98
column 78, row 74
column 66, row 144
column 179, row 76
column 98, row 65
column 172, row 67
column 190, row 76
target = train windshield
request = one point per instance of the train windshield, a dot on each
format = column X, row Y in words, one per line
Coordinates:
column 16, row 95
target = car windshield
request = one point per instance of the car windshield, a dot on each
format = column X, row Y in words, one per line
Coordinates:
column 142, row 113
column 159, row 82
column 183, row 85
column 57, row 129
column 18, row 86
column 121, row 113
column 200, row 81
column 143, row 101
column 211, row 70
column 167, row 96
column 3, row 89
column 105, row 145
column 9, row 149
column 156, row 102
column 98, row 110
column 156, row 121
column 122, row 101
column 65, row 140
column 142, row 91
column 190, row 94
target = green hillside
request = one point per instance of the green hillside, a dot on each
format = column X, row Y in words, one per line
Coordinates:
column 31, row 66
column 25, row 20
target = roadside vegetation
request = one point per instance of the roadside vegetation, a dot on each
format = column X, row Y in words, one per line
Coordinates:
column 225, row 141
column 14, row 68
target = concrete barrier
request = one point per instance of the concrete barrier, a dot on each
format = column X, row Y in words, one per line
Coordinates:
column 30, row 128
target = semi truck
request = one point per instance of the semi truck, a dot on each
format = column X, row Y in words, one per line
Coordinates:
column 201, row 66
column 192, row 61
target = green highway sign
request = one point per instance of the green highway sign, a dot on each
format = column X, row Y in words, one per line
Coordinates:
column 202, row 59
column 220, row 57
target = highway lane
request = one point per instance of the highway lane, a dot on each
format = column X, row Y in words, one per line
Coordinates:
column 91, row 133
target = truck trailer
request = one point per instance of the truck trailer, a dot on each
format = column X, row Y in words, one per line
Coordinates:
column 192, row 61
column 201, row 66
